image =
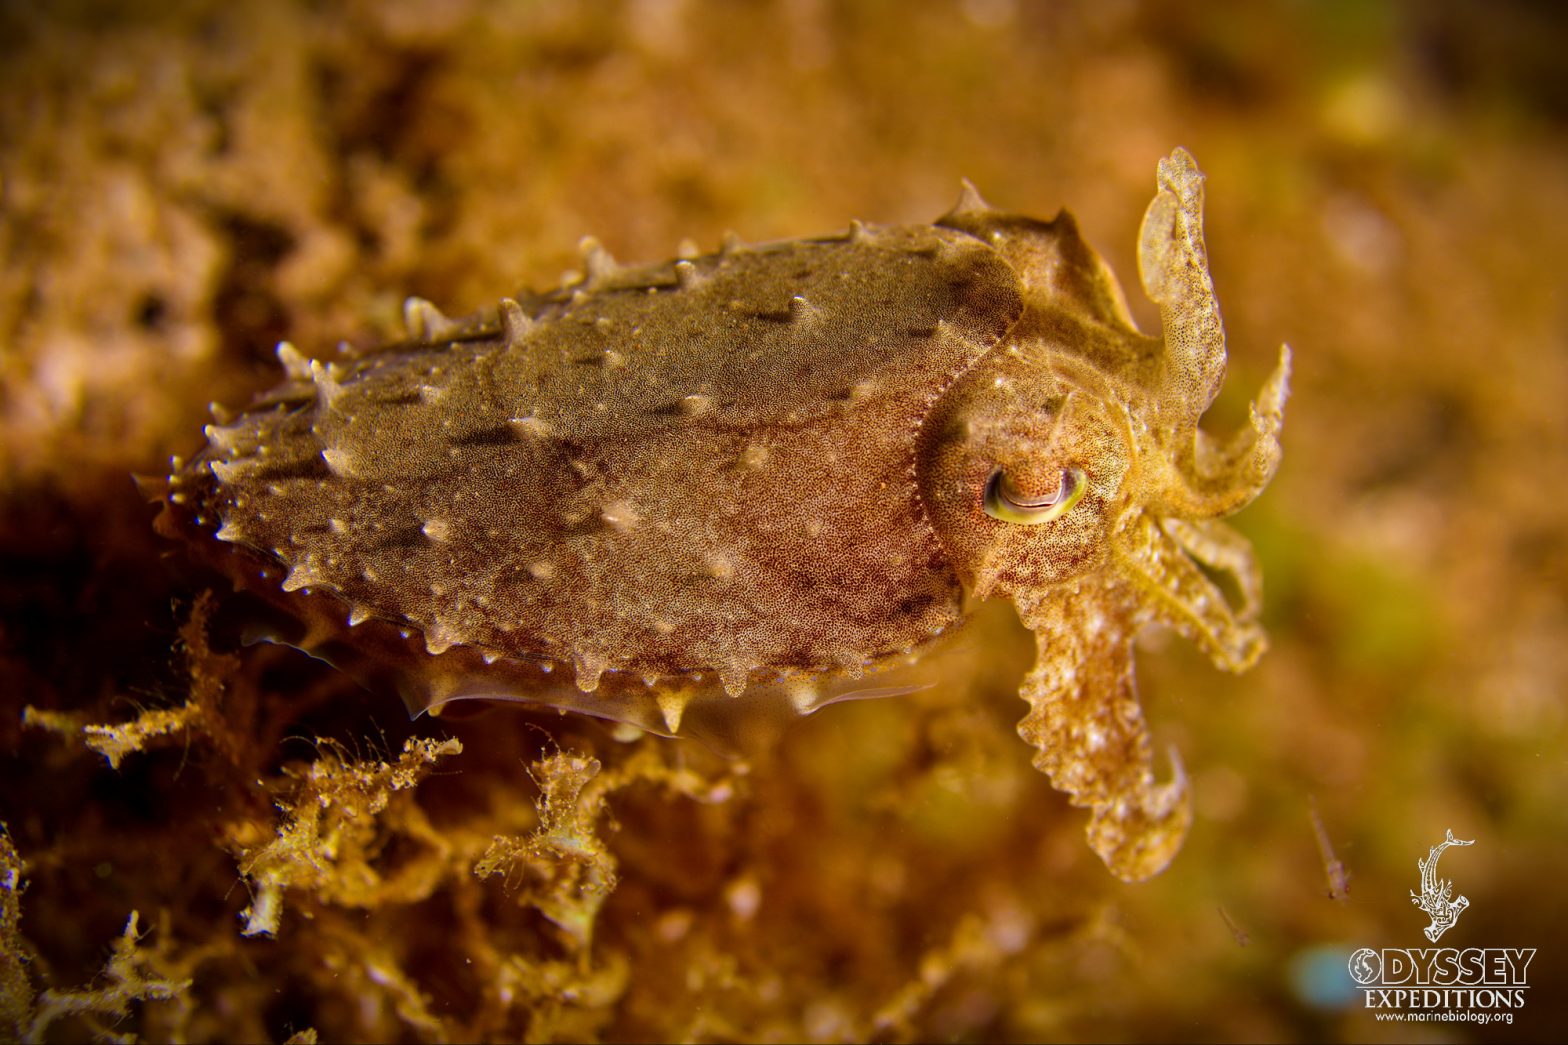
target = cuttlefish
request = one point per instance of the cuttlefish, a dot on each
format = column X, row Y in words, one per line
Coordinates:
column 772, row 477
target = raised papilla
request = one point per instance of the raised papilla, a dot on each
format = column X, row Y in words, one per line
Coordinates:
column 769, row 478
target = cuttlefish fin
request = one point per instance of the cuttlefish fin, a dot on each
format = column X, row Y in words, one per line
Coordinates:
column 1089, row 734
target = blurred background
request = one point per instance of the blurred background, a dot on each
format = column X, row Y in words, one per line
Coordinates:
column 1388, row 192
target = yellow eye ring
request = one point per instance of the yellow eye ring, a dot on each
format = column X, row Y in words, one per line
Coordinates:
column 1003, row 501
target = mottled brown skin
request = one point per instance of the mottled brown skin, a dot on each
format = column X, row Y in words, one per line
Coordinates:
column 758, row 479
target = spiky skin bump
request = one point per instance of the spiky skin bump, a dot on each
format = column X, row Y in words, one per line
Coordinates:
column 758, row 473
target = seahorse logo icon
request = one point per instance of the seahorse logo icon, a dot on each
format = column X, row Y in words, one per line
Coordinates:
column 1434, row 895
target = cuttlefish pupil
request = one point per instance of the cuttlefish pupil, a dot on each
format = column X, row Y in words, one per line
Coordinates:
column 1004, row 502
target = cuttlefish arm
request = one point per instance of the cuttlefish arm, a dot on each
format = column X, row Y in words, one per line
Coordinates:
column 1203, row 476
column 1085, row 721
column 1156, row 561
column 1088, row 730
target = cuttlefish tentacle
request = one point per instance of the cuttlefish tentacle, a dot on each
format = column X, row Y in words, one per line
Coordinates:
column 1175, row 592
column 1089, row 734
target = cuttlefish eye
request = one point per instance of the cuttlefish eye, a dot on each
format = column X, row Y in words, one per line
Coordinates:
column 1004, row 502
